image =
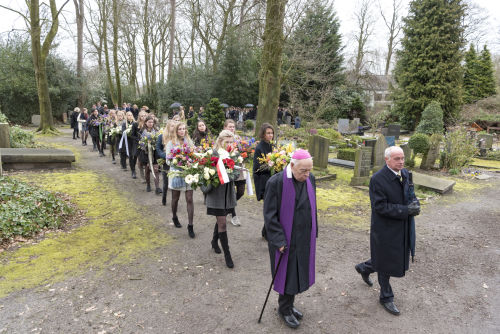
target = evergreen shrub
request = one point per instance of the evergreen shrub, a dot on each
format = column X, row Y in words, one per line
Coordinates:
column 214, row 116
column 420, row 143
column 249, row 125
column 347, row 154
column 460, row 149
column 20, row 138
column 432, row 119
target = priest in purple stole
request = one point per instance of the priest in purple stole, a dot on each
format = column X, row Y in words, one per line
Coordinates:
column 291, row 223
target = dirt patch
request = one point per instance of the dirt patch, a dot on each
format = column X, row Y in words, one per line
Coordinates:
column 183, row 287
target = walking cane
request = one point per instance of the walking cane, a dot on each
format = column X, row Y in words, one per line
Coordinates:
column 269, row 291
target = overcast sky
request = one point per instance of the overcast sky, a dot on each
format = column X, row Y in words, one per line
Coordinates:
column 345, row 12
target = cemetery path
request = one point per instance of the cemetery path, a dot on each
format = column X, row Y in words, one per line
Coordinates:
column 186, row 288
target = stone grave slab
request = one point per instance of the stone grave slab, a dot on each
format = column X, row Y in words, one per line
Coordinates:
column 354, row 125
column 391, row 140
column 362, row 166
column 488, row 140
column 4, row 135
column 379, row 154
column 439, row 185
column 318, row 147
column 36, row 120
column 34, row 158
column 343, row 125
column 394, row 130
column 341, row 163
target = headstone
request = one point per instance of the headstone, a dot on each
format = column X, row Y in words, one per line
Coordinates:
column 430, row 158
column 488, row 140
column 354, row 125
column 379, row 154
column 391, row 140
column 36, row 120
column 436, row 184
column 343, row 125
column 65, row 118
column 164, row 118
column 407, row 151
column 362, row 166
column 394, row 130
column 289, row 120
column 4, row 135
column 318, row 147
column 384, row 131
column 371, row 143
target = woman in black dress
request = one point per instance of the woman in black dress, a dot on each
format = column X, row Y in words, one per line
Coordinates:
column 260, row 176
column 222, row 200
column 135, row 135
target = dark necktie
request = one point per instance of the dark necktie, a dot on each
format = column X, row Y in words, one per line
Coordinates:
column 400, row 178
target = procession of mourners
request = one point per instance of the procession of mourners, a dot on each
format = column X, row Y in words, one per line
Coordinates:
column 223, row 166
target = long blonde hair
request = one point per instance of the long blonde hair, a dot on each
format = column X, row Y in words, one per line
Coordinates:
column 167, row 134
column 139, row 121
column 221, row 138
column 174, row 138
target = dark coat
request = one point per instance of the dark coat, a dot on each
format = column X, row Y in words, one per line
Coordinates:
column 135, row 136
column 260, row 178
column 297, row 278
column 93, row 130
column 390, row 223
column 160, row 151
column 74, row 119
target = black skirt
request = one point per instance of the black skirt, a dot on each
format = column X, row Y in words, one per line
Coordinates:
column 218, row 212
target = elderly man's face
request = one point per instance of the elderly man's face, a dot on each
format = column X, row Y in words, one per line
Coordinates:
column 302, row 169
column 397, row 160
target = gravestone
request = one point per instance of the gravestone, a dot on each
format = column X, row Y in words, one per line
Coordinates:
column 65, row 118
column 36, row 120
column 288, row 120
column 4, row 135
column 164, row 118
column 394, row 130
column 318, row 148
column 488, row 140
column 436, row 184
column 379, row 154
column 343, row 125
column 429, row 159
column 354, row 125
column 371, row 143
column 384, row 131
column 407, row 151
column 362, row 166
column 391, row 140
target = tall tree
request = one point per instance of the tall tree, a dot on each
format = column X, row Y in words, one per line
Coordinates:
column 116, row 22
column 315, row 58
column 486, row 74
column 270, row 70
column 40, row 52
column 365, row 30
column 429, row 62
column 80, row 17
column 471, row 76
column 172, row 39
column 393, row 24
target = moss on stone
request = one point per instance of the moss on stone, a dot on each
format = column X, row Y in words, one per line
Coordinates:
column 117, row 233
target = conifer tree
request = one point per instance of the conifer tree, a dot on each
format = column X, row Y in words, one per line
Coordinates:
column 429, row 62
column 471, row 80
column 486, row 76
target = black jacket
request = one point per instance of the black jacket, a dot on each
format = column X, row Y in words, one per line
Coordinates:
column 260, row 178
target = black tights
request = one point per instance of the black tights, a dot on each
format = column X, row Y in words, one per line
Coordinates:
column 176, row 194
column 221, row 223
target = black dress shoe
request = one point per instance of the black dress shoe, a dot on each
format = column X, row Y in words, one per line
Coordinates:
column 148, row 188
column 176, row 222
column 297, row 313
column 191, row 231
column 390, row 307
column 289, row 320
column 365, row 277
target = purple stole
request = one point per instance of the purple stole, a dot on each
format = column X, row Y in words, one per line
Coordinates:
column 287, row 210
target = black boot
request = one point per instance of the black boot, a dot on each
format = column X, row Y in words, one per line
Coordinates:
column 164, row 198
column 157, row 191
column 176, row 222
column 215, row 240
column 133, row 175
column 148, row 188
column 225, row 247
column 191, row 231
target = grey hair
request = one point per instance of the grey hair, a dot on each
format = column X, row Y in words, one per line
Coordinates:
column 295, row 161
column 388, row 151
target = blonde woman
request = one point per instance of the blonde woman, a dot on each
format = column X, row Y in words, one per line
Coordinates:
column 74, row 123
column 222, row 200
column 178, row 138
column 161, row 144
column 135, row 134
column 132, row 147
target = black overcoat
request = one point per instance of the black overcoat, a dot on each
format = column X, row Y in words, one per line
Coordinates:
column 297, row 273
column 135, row 136
column 260, row 178
column 390, row 228
column 93, row 130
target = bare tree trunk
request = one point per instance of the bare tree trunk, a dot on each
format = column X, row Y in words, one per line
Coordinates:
column 106, row 52
column 116, row 16
column 270, row 71
column 145, row 41
column 365, row 30
column 79, row 10
column 172, row 40
column 394, row 27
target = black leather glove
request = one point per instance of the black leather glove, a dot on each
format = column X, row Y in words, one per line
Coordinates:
column 414, row 208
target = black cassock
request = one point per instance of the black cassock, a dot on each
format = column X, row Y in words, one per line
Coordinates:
column 297, row 276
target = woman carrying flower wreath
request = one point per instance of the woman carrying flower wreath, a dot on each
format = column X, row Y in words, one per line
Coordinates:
column 161, row 144
column 240, row 183
column 128, row 145
column 112, row 133
column 180, row 141
column 94, row 125
column 221, row 200
column 260, row 176
column 135, row 134
column 147, row 153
